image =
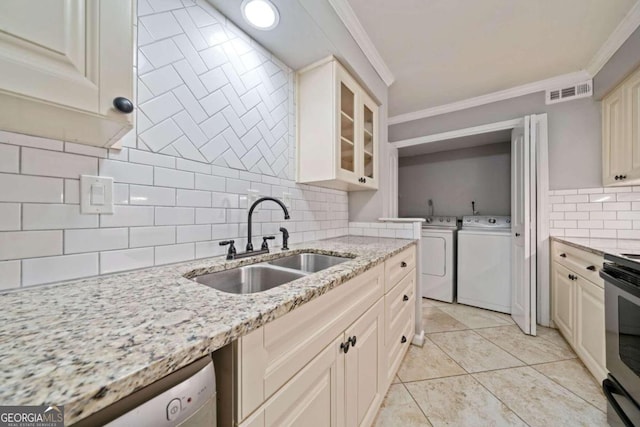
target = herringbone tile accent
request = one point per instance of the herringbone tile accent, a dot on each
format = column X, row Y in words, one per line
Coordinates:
column 208, row 93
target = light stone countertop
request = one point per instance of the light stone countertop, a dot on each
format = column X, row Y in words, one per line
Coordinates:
column 88, row 343
column 602, row 246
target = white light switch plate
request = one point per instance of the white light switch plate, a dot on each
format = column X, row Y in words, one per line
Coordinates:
column 96, row 194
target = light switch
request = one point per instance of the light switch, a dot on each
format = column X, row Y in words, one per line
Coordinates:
column 96, row 194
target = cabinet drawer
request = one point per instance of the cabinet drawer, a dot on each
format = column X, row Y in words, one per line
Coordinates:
column 586, row 264
column 271, row 355
column 396, row 348
column 398, row 266
column 398, row 303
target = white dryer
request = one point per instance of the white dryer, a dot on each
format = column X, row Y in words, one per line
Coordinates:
column 484, row 262
column 438, row 259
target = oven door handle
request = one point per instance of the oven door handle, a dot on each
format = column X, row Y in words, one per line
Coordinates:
column 609, row 387
column 621, row 284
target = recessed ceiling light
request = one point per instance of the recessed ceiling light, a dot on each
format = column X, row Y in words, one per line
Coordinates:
column 260, row 14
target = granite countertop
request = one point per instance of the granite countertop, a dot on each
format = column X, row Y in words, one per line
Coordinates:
column 602, row 246
column 88, row 343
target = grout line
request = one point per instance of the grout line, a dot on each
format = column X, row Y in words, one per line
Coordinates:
column 416, row 402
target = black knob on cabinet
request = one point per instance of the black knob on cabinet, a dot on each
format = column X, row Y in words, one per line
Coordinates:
column 517, row 234
column 623, row 176
column 352, row 340
column 403, row 264
column 345, row 346
column 403, row 339
column 570, row 276
column 592, row 268
column 123, row 105
column 617, row 177
column 563, row 255
column 405, row 298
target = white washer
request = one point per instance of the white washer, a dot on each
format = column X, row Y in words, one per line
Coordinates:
column 484, row 262
column 438, row 259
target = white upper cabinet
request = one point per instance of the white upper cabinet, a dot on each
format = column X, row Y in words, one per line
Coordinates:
column 62, row 64
column 337, row 141
column 621, row 133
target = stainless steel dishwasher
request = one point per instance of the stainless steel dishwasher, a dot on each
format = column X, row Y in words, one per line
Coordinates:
column 185, row 398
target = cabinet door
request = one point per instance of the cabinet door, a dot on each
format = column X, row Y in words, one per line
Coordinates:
column 368, row 141
column 72, row 53
column 313, row 398
column 632, row 105
column 563, row 301
column 616, row 149
column 347, row 134
column 589, row 336
column 364, row 367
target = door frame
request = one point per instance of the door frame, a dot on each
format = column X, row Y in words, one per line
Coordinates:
column 543, row 300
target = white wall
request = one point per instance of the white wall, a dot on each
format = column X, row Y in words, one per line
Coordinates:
column 452, row 179
column 574, row 134
column 215, row 119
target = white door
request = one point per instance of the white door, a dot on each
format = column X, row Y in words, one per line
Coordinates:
column 523, row 215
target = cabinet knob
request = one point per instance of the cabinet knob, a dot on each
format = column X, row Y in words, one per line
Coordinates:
column 403, row 264
column 123, row 105
column 403, row 339
column 623, row 176
column 364, row 180
column 352, row 340
column 592, row 268
column 405, row 298
column 517, row 234
column 563, row 255
column 345, row 346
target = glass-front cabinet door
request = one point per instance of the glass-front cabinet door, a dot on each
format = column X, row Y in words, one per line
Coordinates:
column 368, row 154
column 347, row 160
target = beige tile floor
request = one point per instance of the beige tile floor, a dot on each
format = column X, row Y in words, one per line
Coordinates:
column 477, row 369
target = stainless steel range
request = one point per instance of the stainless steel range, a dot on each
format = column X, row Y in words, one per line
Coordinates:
column 622, row 322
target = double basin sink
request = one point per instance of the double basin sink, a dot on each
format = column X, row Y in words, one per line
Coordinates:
column 260, row 277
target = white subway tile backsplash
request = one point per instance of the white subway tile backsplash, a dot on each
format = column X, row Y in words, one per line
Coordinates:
column 174, row 216
column 152, row 196
column 30, row 244
column 174, row 253
column 576, row 198
column 9, row 158
column 152, row 159
column 609, row 213
column 9, row 275
column 126, row 172
column 86, row 150
column 10, row 216
column 23, row 188
column 128, row 216
column 63, row 165
column 194, row 198
column 31, row 141
column 193, row 233
column 210, row 183
column 58, row 268
column 173, row 178
column 151, row 236
column 50, row 217
column 95, row 240
column 564, row 207
column 128, row 259
column 213, row 216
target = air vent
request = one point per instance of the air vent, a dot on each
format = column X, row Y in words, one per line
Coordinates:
column 581, row 90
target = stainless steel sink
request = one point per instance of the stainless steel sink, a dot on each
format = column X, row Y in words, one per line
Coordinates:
column 309, row 263
column 249, row 279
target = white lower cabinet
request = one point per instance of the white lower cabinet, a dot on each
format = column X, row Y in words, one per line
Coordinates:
column 314, row 397
column 364, row 367
column 578, row 304
column 589, row 335
column 327, row 363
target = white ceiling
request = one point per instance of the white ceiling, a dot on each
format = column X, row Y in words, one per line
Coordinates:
column 442, row 51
